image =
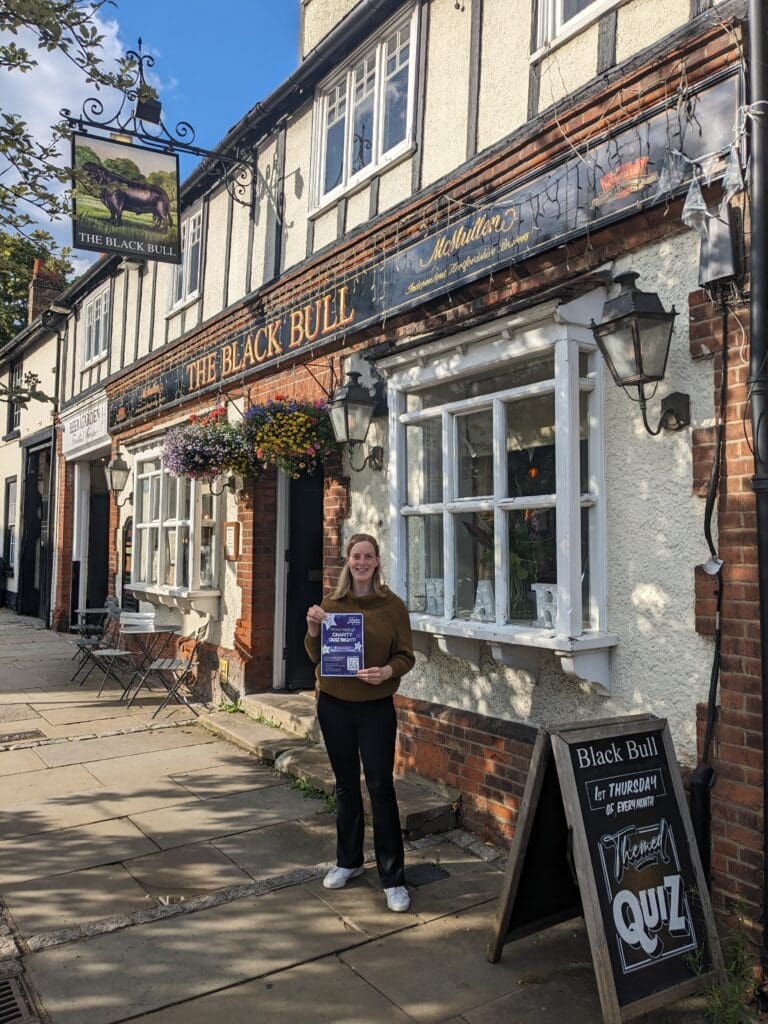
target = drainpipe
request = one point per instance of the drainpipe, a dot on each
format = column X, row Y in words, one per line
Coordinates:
column 757, row 383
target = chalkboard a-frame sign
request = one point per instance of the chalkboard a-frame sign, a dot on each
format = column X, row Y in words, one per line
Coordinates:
column 605, row 832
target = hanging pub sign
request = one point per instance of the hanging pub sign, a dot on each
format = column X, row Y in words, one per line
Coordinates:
column 609, row 179
column 126, row 199
column 605, row 832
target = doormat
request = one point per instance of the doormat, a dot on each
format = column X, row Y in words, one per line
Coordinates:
column 418, row 875
column 13, row 737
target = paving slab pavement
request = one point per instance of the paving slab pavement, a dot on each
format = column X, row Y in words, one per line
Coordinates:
column 164, row 875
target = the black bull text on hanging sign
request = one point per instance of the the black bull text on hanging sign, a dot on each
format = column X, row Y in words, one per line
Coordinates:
column 604, row 182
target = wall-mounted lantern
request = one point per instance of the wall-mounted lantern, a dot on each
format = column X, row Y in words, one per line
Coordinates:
column 634, row 336
column 117, row 476
column 351, row 409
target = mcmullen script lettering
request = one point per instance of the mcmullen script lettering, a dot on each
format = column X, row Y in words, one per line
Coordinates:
column 483, row 226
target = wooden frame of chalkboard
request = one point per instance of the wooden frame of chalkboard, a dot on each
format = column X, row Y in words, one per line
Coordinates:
column 618, row 818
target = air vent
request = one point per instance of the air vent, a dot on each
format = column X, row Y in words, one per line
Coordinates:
column 15, row 1006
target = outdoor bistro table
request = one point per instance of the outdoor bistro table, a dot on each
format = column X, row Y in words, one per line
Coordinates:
column 152, row 640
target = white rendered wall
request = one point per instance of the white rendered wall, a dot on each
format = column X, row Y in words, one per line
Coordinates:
column 319, row 17
column 445, row 108
column 645, row 21
column 503, row 99
column 298, row 185
column 568, row 67
column 215, row 240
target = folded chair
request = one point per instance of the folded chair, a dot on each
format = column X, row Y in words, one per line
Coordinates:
column 116, row 657
column 90, row 636
column 175, row 673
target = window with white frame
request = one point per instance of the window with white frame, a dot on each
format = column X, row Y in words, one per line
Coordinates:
column 15, row 381
column 10, row 525
column 175, row 530
column 186, row 280
column 96, row 328
column 498, row 520
column 565, row 17
column 364, row 115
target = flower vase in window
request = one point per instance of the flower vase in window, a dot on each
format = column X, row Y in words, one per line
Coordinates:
column 485, row 605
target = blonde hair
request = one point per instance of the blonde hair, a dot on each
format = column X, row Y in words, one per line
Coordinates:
column 344, row 585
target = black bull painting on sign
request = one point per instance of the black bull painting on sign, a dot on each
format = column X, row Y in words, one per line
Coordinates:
column 120, row 193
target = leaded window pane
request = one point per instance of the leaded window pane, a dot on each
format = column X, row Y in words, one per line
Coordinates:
column 475, row 566
column 426, row 587
column 531, row 446
column 424, row 461
column 474, row 439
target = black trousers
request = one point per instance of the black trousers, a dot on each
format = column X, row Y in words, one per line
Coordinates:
column 355, row 731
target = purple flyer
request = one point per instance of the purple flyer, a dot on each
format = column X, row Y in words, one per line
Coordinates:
column 341, row 644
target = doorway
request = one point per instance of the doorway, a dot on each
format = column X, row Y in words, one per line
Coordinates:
column 35, row 554
column 304, row 574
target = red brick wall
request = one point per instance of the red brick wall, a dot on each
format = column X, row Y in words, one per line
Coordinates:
column 737, row 795
column 485, row 758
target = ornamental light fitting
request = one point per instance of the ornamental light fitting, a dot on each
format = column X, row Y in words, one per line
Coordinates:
column 117, row 471
column 351, row 410
column 633, row 336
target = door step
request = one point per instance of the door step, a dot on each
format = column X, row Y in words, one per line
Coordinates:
column 278, row 728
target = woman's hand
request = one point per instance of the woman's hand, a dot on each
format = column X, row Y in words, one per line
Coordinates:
column 375, row 676
column 315, row 616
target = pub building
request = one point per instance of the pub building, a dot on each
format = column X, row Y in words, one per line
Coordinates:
column 461, row 214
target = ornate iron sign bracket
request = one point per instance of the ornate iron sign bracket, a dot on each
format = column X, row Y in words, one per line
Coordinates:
column 139, row 117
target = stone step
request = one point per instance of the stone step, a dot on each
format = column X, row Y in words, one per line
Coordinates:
column 292, row 712
column 426, row 807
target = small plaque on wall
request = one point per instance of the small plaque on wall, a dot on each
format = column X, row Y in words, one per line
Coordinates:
column 231, row 541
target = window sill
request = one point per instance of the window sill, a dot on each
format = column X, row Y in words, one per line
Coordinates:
column 575, row 27
column 204, row 601
column 360, row 181
column 93, row 362
column 586, row 657
column 12, row 435
column 183, row 304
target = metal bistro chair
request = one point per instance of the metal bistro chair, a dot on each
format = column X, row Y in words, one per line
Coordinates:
column 90, row 636
column 116, row 657
column 174, row 673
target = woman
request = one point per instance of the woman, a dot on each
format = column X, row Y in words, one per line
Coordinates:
column 358, row 721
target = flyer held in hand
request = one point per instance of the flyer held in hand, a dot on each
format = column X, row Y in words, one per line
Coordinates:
column 341, row 644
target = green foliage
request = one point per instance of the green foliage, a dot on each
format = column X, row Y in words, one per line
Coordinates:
column 122, row 165
column 729, row 1003
column 17, row 256
column 31, row 169
column 232, row 707
column 310, row 792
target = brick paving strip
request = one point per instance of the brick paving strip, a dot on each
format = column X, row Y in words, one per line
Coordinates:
column 13, row 948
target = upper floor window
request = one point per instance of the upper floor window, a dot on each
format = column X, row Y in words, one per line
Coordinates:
column 96, row 328
column 498, row 530
column 186, row 280
column 14, row 406
column 364, row 115
column 175, row 530
column 566, row 17
column 10, row 525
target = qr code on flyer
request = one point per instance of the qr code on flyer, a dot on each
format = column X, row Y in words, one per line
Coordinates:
column 353, row 664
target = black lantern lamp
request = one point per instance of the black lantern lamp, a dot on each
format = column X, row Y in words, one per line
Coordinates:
column 117, row 477
column 633, row 337
column 351, row 410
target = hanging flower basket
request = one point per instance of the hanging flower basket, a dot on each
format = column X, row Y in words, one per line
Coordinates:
column 290, row 435
column 208, row 446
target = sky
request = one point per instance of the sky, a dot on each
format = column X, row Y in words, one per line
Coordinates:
column 213, row 62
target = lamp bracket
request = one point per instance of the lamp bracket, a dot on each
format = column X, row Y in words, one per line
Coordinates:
column 675, row 411
column 128, row 500
column 374, row 458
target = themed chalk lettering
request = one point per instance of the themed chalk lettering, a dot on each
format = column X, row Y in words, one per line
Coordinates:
column 643, row 880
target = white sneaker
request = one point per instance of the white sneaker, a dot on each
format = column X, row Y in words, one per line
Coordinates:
column 337, row 877
column 398, row 898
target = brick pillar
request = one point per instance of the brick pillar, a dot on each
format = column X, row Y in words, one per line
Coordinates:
column 335, row 511
column 254, row 630
column 737, row 749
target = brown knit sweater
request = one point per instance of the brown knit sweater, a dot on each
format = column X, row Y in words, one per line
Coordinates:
column 386, row 641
